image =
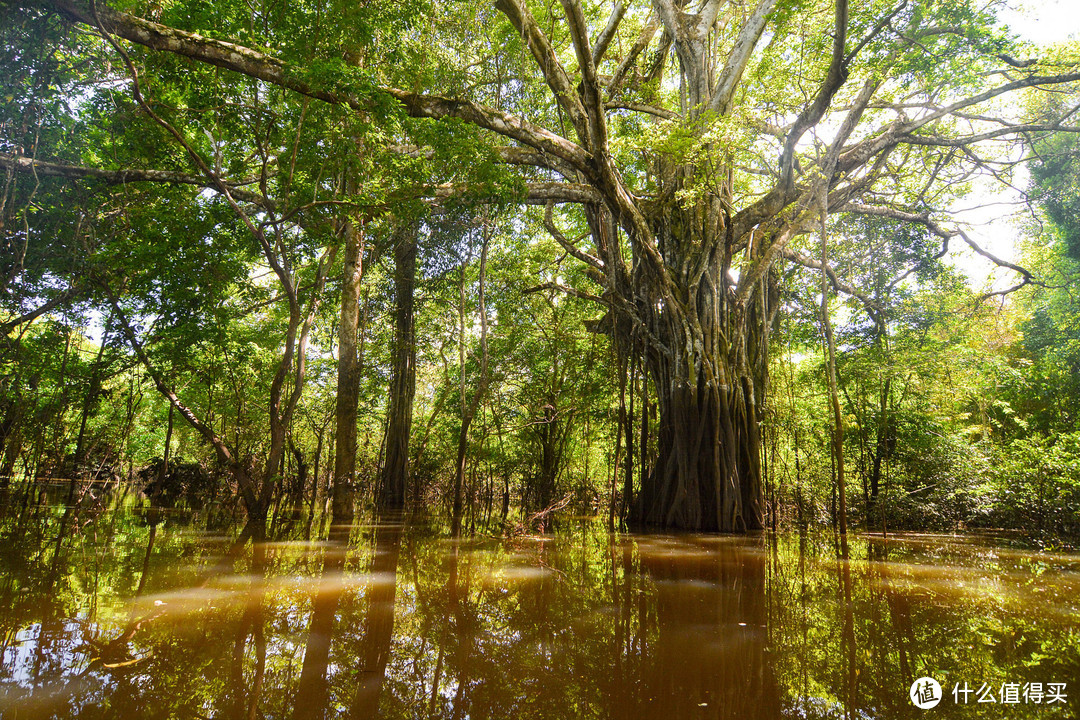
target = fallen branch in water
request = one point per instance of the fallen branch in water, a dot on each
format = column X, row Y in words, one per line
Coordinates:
column 538, row 518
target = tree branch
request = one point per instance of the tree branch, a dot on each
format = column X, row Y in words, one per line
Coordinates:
column 120, row 177
column 590, row 85
column 261, row 66
column 834, row 79
column 963, row 141
column 642, row 108
column 834, row 279
column 536, row 193
column 247, row 487
column 748, row 38
column 573, row 292
column 509, row 155
column 924, row 220
column 548, row 62
column 29, row 317
column 549, row 225
column 642, row 42
column 608, row 33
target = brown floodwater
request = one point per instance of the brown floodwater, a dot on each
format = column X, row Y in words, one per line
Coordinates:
column 400, row 622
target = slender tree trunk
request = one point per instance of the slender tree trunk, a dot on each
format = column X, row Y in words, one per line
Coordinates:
column 11, row 435
column 834, row 394
column 395, row 476
column 58, row 433
column 348, row 380
column 585, row 484
column 154, row 514
column 481, row 386
column 880, row 444
column 13, row 445
column 92, row 392
column 168, row 444
column 626, row 412
column 274, row 468
column 615, row 465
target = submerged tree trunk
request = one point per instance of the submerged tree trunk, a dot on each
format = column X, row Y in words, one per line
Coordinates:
column 348, row 380
column 395, row 475
column 708, row 470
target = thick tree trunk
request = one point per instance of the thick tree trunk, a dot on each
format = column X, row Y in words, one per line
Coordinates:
column 348, row 381
column 708, row 469
column 395, row 476
column 706, row 350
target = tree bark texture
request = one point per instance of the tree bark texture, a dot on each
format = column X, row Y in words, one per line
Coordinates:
column 348, row 380
column 396, row 471
column 706, row 351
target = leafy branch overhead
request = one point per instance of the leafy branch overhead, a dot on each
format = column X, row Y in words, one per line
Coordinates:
column 879, row 95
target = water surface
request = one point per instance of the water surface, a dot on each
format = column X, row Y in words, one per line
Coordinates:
column 400, row 622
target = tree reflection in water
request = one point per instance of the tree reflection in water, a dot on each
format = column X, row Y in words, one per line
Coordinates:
column 709, row 658
column 390, row 621
column 377, row 626
column 378, row 623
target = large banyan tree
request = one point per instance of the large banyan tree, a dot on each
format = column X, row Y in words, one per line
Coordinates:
column 704, row 143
